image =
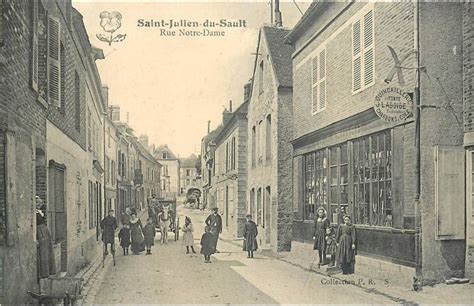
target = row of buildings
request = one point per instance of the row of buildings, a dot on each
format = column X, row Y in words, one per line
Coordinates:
column 59, row 140
column 307, row 135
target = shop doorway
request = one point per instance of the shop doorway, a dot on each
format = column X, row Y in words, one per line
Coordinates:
column 469, row 268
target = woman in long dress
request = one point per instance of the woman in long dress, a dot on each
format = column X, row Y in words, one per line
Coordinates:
column 250, row 237
column 320, row 226
column 136, row 233
column 46, row 263
column 188, row 238
column 346, row 246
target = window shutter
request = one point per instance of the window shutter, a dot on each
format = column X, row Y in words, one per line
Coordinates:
column 54, row 68
column 449, row 192
column 2, row 5
column 356, row 56
column 322, row 80
column 34, row 51
column 369, row 48
column 314, row 85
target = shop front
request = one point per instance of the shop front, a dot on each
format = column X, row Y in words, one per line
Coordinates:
column 359, row 167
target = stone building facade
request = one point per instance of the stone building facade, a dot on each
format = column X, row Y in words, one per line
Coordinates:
column 190, row 175
column 149, row 170
column 269, row 184
column 208, row 149
column 348, row 160
column 75, row 135
column 229, row 182
column 169, row 172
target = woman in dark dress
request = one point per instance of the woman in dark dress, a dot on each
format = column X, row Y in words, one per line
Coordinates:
column 320, row 226
column 136, row 233
column 250, row 237
column 346, row 246
column 46, row 263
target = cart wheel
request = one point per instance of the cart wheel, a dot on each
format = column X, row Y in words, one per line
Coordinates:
column 176, row 230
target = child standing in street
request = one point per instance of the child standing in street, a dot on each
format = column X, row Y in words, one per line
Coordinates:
column 149, row 233
column 188, row 238
column 207, row 244
column 124, row 238
column 331, row 245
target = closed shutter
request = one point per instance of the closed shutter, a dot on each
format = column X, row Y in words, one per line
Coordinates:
column 314, row 84
column 35, row 50
column 322, row 80
column 2, row 5
column 369, row 48
column 356, row 56
column 449, row 193
column 54, row 67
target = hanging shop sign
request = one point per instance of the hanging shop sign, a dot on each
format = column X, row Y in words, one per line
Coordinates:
column 392, row 104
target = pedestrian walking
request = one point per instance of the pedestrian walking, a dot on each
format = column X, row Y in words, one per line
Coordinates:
column 108, row 225
column 214, row 220
column 46, row 263
column 320, row 226
column 136, row 234
column 331, row 246
column 124, row 238
column 346, row 246
column 188, row 238
column 149, row 232
column 250, row 236
column 207, row 244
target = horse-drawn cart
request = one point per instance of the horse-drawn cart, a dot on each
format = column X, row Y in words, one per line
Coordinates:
column 167, row 219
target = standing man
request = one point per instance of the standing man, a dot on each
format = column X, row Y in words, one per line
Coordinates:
column 214, row 220
column 108, row 225
column 154, row 203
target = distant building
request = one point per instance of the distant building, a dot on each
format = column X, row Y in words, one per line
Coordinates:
column 190, row 173
column 169, row 171
column 208, row 149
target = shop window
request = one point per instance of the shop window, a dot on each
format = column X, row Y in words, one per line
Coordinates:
column 316, row 182
column 372, row 176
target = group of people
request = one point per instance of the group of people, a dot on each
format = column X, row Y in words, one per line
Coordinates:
column 133, row 235
column 214, row 227
column 339, row 244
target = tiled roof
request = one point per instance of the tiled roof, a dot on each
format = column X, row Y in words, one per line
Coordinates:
column 189, row 162
column 280, row 54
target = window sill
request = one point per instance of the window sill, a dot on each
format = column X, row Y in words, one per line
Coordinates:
column 318, row 111
column 42, row 102
column 363, row 88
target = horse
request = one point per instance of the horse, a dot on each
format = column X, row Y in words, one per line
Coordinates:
column 164, row 220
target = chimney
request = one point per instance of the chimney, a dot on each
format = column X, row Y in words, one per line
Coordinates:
column 143, row 139
column 114, row 111
column 128, row 117
column 247, row 92
column 278, row 20
column 226, row 115
column 230, row 106
column 105, row 94
column 208, row 126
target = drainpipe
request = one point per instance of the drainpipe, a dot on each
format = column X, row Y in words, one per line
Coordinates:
column 418, row 219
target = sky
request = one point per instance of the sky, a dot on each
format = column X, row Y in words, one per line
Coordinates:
column 170, row 86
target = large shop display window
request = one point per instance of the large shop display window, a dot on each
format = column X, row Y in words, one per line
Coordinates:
column 354, row 177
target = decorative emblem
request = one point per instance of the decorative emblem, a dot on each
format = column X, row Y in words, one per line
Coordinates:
column 111, row 22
